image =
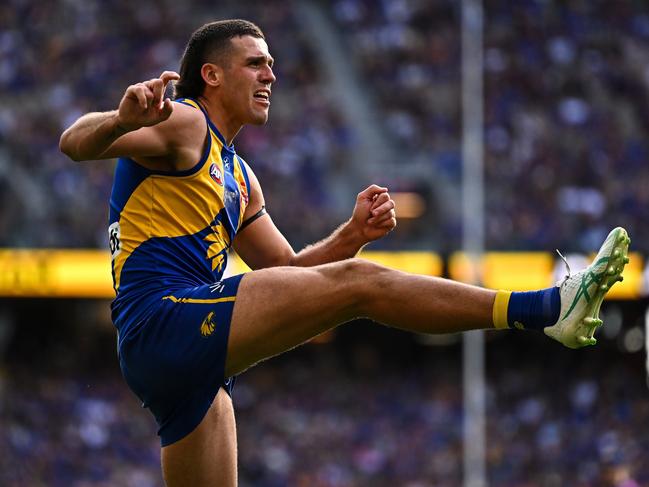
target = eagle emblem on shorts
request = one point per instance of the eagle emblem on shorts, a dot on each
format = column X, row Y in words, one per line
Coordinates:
column 207, row 327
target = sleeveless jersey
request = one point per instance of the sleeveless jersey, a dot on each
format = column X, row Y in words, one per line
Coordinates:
column 172, row 230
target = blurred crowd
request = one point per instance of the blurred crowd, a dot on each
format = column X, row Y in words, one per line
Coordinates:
column 61, row 59
column 566, row 113
column 566, row 148
column 318, row 418
column 566, row 124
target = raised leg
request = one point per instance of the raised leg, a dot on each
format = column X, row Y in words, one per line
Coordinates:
column 279, row 308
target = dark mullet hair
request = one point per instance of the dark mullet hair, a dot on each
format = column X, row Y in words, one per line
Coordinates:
column 208, row 43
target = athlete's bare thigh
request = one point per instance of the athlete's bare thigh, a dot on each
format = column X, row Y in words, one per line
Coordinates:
column 207, row 457
column 279, row 308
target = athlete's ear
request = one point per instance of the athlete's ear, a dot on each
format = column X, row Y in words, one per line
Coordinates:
column 211, row 74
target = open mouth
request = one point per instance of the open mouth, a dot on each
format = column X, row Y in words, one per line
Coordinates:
column 262, row 96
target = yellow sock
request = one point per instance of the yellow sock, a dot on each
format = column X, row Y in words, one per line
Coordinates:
column 501, row 304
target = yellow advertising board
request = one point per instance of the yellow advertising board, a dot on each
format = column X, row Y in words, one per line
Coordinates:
column 515, row 271
column 55, row 273
column 87, row 273
column 526, row 271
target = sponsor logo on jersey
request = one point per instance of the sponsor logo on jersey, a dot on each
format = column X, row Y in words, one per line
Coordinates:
column 215, row 174
column 207, row 327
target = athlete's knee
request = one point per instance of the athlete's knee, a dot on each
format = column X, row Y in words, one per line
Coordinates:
column 350, row 270
column 360, row 279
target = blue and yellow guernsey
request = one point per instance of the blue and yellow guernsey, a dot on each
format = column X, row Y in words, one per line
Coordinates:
column 172, row 230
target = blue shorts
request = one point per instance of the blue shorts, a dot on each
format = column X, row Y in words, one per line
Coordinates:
column 175, row 362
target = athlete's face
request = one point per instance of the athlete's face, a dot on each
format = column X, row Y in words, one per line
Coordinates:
column 247, row 80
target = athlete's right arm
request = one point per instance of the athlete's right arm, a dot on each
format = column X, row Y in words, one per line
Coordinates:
column 134, row 129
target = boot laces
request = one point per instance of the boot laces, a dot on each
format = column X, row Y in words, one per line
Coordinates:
column 565, row 261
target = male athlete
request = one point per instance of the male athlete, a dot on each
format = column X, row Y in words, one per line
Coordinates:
column 182, row 197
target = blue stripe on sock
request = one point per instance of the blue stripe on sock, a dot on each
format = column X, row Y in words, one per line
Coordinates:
column 534, row 310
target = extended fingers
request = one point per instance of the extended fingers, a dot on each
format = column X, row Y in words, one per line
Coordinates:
column 157, row 87
column 142, row 93
column 167, row 76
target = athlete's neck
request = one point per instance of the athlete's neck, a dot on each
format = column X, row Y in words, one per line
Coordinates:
column 225, row 123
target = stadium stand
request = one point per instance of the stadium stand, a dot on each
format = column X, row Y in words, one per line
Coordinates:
column 51, row 202
column 382, row 413
column 566, row 133
column 566, row 160
column 565, row 110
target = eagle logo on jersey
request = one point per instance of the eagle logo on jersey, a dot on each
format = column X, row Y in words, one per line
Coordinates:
column 219, row 242
column 207, row 327
column 215, row 174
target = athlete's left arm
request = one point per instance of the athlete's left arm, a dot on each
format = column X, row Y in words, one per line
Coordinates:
column 261, row 244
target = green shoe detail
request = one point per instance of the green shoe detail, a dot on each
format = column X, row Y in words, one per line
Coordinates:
column 582, row 294
column 587, row 279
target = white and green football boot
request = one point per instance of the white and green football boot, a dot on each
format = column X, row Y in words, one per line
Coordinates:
column 582, row 294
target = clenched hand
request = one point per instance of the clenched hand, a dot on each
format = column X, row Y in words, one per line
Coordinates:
column 374, row 215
